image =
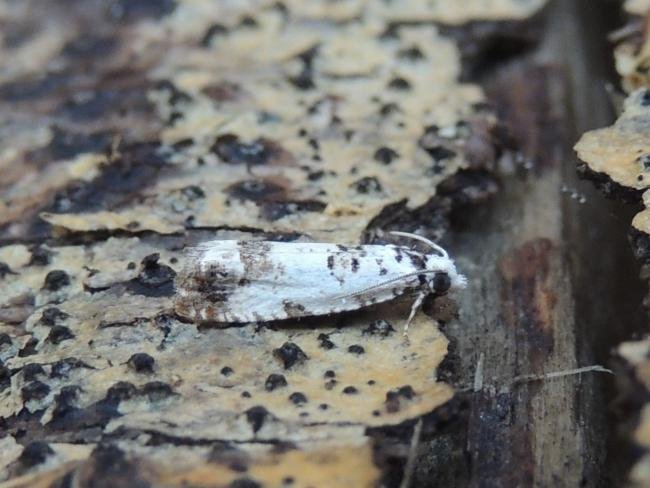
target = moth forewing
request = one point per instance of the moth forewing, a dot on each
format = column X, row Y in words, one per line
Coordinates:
column 243, row 281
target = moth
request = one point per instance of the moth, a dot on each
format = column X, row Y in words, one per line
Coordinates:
column 231, row 281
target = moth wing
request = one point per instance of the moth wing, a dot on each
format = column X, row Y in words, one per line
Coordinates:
column 233, row 281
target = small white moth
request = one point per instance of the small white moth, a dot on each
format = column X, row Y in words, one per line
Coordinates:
column 245, row 281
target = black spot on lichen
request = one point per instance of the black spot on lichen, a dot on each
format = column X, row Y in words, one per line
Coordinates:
column 138, row 167
column 40, row 256
column 244, row 483
column 440, row 153
column 256, row 416
column 35, row 390
column 274, row 381
column 256, row 190
column 368, row 184
column 379, row 327
column 34, row 88
column 122, row 390
column 29, row 348
column 89, row 46
column 350, row 390
column 399, row 84
column 110, row 468
column 356, row 349
column 329, row 374
column 392, row 397
column 65, row 401
column 5, row 378
column 62, row 368
column 157, row 390
column 58, row 334
column 304, row 80
column 213, row 32
column 290, row 354
column 227, row 371
column 406, row 391
column 135, row 10
column 5, row 270
column 55, row 280
column 32, row 370
column 66, row 144
column 51, row 315
column 34, row 454
column 193, row 192
column 141, row 362
column 325, row 341
column 330, row 384
column 298, row 398
column 385, row 155
column 232, row 151
column 392, row 402
column 276, row 210
column 154, row 280
column 412, row 53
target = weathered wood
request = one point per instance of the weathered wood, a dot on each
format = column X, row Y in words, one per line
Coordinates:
column 540, row 255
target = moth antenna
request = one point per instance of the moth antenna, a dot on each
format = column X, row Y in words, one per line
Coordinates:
column 383, row 283
column 431, row 244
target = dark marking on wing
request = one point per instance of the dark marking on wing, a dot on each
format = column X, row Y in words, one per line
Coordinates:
column 211, row 284
column 342, row 248
column 383, row 271
column 254, row 257
column 398, row 255
column 294, row 309
column 354, row 262
column 330, row 261
column 417, row 260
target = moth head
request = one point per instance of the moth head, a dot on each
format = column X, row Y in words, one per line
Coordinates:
column 441, row 281
column 443, row 274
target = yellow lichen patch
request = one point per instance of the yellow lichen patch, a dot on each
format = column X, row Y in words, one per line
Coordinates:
column 622, row 151
column 274, row 147
column 322, row 464
column 131, row 220
column 123, row 361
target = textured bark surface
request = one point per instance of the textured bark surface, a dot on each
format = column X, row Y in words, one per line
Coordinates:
column 130, row 130
column 615, row 159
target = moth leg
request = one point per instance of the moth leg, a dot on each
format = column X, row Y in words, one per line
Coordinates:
column 414, row 309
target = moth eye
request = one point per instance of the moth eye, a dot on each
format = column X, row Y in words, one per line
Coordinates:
column 440, row 283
